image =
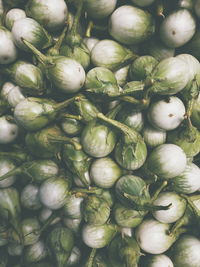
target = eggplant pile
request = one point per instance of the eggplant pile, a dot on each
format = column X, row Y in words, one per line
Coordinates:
column 99, row 133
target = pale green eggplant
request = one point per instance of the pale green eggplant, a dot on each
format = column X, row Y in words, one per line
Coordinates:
column 98, row 236
column 177, row 28
column 157, row 49
column 8, row 50
column 35, row 252
column 65, row 73
column 98, row 140
column 166, row 161
column 96, row 210
column 60, row 242
column 127, row 217
column 142, row 67
column 184, row 252
column 12, row 15
column 12, row 94
column 10, row 210
column 35, row 113
column 36, row 171
column 73, row 207
column 60, row 187
column 105, row 172
column 32, row 31
column 131, row 25
column 71, row 126
column 111, row 55
column 99, row 9
column 47, row 142
column 124, row 251
column 7, row 166
column 30, row 197
column 77, row 161
column 27, row 76
column 50, row 14
column 101, row 80
column 130, row 150
column 187, row 182
column 9, row 129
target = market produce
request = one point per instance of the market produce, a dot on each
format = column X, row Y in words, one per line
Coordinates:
column 99, row 133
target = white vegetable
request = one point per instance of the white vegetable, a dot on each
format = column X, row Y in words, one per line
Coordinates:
column 153, row 137
column 99, row 9
column 30, row 197
column 105, row 172
column 130, row 25
column 90, row 42
column 166, row 114
column 158, row 261
column 177, row 28
column 8, row 50
column 152, row 236
column 72, row 207
column 174, row 212
column 186, row 252
column 188, row 181
column 167, row 161
column 7, row 165
column 52, row 14
column 12, row 93
column 53, row 193
column 9, row 130
column 12, row 15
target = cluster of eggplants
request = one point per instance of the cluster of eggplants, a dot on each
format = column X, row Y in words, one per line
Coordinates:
column 99, row 133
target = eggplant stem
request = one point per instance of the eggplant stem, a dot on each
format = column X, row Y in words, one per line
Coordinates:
column 89, row 29
column 161, row 187
column 64, row 104
column 65, row 139
column 90, row 260
column 45, row 60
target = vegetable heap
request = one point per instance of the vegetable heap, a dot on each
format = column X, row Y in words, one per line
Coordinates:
column 99, row 133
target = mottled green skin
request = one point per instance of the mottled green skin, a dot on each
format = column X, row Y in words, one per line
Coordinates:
column 86, row 109
column 35, row 113
column 195, row 116
column 71, row 126
column 96, row 210
column 109, row 54
column 32, row 80
column 60, row 242
column 30, row 226
column 124, row 252
column 134, row 186
column 139, row 29
column 79, row 53
column 98, row 236
column 102, row 80
column 40, row 145
column 185, row 252
column 188, row 139
column 166, row 81
column 157, row 50
column 97, row 139
column 126, row 217
column 142, row 67
column 10, row 208
column 131, row 117
column 129, row 154
column 77, row 161
column 40, row 170
column 101, row 260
